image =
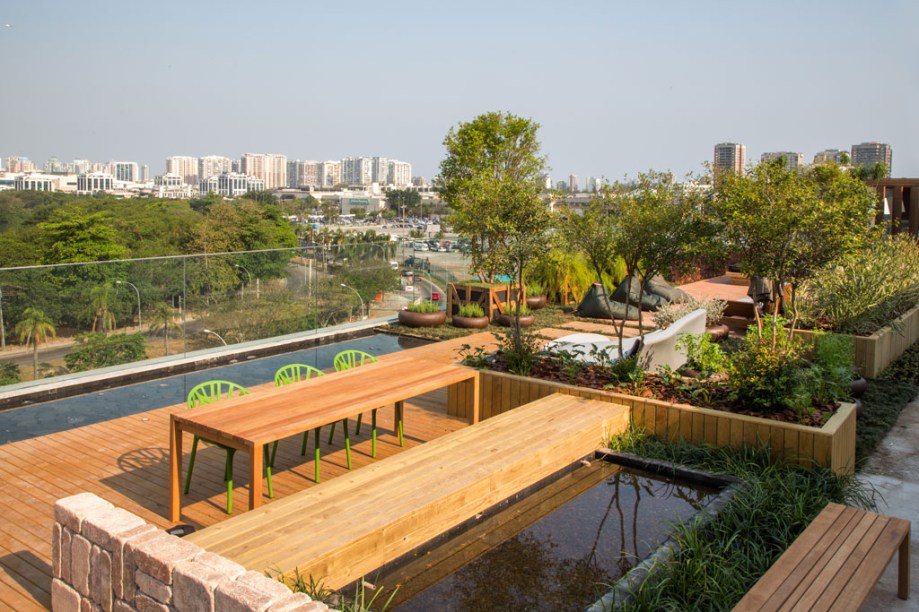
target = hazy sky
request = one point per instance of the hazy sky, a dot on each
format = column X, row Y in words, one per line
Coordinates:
column 618, row 87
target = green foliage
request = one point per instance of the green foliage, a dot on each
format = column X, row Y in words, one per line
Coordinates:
column 718, row 562
column 564, row 273
column 71, row 235
column 519, row 354
column 534, row 287
column 787, row 224
column 766, row 374
column 867, row 289
column 397, row 198
column 702, row 354
column 97, row 350
column 834, row 359
column 882, row 404
column 35, row 327
column 905, row 368
column 471, row 310
column 474, row 356
column 9, row 374
column 423, row 307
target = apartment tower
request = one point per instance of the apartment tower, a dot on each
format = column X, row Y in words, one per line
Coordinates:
column 730, row 157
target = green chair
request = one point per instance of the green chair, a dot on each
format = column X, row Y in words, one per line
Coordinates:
column 294, row 373
column 354, row 358
column 208, row 393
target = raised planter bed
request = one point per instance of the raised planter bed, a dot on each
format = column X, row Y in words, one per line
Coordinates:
column 832, row 445
column 875, row 352
column 494, row 299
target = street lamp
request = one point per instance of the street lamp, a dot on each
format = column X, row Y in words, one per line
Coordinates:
column 207, row 331
column 2, row 328
column 358, row 297
column 246, row 270
column 140, row 323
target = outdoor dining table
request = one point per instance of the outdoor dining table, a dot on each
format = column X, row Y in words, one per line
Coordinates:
column 248, row 423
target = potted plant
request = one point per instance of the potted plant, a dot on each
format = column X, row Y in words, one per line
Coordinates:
column 537, row 295
column 525, row 318
column 422, row 314
column 470, row 316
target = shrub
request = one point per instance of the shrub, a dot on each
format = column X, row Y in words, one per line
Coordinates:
column 471, row 310
column 9, row 374
column 524, row 310
column 96, row 350
column 535, row 287
column 834, row 359
column 866, row 290
column 668, row 314
column 423, row 307
column 702, row 354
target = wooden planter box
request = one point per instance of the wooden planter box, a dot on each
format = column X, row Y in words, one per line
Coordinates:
column 832, row 445
column 875, row 352
column 492, row 298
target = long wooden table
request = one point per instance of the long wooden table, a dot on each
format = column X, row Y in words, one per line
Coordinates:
column 250, row 422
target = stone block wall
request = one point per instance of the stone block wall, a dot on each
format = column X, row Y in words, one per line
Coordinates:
column 106, row 558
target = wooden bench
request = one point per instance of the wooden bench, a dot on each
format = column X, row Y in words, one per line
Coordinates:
column 834, row 564
column 345, row 528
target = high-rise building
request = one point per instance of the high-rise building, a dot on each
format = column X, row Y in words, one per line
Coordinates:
column 573, row 183
column 144, row 173
column 400, row 173
column 212, row 165
column 792, row 160
column 871, row 153
column 55, row 166
column 231, row 184
column 834, row 156
column 303, row 173
column 19, row 164
column 81, row 166
column 94, row 182
column 184, row 166
column 730, row 157
column 379, row 171
column 270, row 167
column 357, row 171
column 126, row 171
column 329, row 173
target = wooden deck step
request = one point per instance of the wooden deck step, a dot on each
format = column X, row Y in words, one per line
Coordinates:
column 342, row 529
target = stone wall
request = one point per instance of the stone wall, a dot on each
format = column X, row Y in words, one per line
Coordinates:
column 105, row 558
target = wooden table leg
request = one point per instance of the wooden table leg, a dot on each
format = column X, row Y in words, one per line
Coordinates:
column 255, row 476
column 175, row 471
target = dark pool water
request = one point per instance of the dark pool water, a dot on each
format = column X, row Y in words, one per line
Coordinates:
column 558, row 549
column 58, row 415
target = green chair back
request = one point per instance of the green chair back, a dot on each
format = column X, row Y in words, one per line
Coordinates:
column 214, row 390
column 352, row 358
column 295, row 372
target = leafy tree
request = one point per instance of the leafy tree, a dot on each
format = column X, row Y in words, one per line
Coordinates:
column 96, row 350
column 35, row 328
column 101, row 299
column 397, row 198
column 787, row 225
column 71, row 235
column 359, row 213
column 491, row 178
column 263, row 197
column 9, row 374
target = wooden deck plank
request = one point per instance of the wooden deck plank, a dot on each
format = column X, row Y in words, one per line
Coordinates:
column 125, row 461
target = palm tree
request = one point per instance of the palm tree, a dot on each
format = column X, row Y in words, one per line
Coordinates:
column 163, row 318
column 100, row 306
column 35, row 327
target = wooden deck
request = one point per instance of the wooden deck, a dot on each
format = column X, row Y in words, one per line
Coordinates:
column 126, row 462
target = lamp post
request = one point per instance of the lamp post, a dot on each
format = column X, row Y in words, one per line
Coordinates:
column 246, row 270
column 358, row 297
column 2, row 327
column 207, row 331
column 140, row 323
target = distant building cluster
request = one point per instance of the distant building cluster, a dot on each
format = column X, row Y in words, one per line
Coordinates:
column 188, row 176
column 732, row 157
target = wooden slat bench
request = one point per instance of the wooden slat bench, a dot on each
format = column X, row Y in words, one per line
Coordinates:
column 345, row 528
column 834, row 564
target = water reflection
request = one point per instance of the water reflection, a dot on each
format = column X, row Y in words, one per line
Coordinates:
column 558, row 550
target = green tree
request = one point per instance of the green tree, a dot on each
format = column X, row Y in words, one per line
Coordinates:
column 492, row 180
column 96, row 350
column 788, row 224
column 35, row 328
column 71, row 235
column 101, row 299
column 409, row 198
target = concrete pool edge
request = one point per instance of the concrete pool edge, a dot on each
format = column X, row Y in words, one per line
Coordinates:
column 651, row 566
column 67, row 385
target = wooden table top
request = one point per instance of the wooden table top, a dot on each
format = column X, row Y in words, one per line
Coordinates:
column 267, row 415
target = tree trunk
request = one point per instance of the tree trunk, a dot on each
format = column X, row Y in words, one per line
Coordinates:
column 35, row 361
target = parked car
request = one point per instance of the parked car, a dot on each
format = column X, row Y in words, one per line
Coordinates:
column 420, row 246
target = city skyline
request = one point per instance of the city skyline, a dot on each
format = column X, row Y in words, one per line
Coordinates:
column 644, row 87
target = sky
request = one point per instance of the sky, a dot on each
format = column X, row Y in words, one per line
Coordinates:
column 617, row 87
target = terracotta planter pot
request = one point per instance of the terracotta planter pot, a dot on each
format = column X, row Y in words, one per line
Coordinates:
column 717, row 332
column 535, row 302
column 470, row 322
column 508, row 320
column 422, row 319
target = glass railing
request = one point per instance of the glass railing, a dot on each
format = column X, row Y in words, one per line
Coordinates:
column 78, row 317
